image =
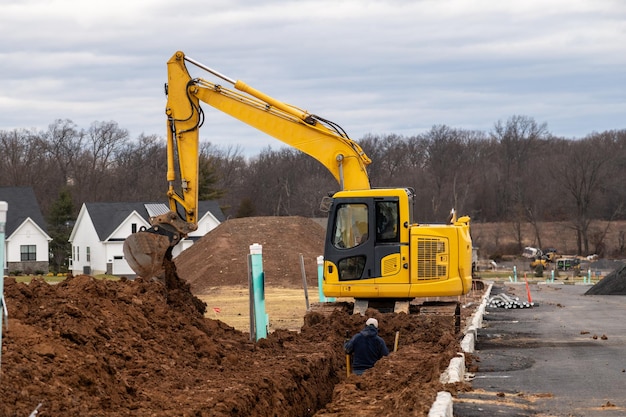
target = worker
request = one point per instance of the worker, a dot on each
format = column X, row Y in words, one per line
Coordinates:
column 366, row 347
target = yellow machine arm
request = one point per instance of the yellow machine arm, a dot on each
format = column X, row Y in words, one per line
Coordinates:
column 319, row 138
column 322, row 139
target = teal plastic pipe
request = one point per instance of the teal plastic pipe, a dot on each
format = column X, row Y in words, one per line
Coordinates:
column 261, row 319
column 320, row 281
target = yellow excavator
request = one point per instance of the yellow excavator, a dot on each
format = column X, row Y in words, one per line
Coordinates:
column 374, row 249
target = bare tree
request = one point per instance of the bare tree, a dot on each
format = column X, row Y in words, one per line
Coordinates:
column 469, row 169
column 102, row 142
column 389, row 159
column 139, row 171
column 518, row 138
column 230, row 166
column 586, row 166
column 24, row 163
column 65, row 146
column 22, row 158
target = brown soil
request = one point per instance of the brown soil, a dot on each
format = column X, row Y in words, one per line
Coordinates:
column 136, row 348
column 221, row 256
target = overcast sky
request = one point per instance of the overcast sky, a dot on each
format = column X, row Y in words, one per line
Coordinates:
column 380, row 67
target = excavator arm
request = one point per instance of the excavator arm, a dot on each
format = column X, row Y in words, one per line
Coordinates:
column 323, row 140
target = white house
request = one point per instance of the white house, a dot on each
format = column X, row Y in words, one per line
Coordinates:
column 26, row 237
column 100, row 230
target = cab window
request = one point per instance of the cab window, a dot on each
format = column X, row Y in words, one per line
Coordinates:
column 387, row 221
column 351, row 226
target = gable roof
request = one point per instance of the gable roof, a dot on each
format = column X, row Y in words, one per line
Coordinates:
column 26, row 221
column 106, row 217
column 213, row 207
column 22, row 205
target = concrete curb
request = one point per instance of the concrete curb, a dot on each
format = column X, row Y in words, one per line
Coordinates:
column 455, row 372
column 442, row 407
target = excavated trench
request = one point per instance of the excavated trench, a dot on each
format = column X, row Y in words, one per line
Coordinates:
column 87, row 347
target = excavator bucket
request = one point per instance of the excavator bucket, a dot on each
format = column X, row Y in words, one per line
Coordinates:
column 144, row 251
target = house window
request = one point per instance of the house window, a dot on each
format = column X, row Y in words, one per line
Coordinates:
column 133, row 227
column 88, row 254
column 28, row 252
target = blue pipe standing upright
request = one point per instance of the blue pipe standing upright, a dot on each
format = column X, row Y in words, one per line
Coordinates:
column 258, row 288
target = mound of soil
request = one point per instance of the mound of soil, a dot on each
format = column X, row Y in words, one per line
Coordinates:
column 612, row 284
column 221, row 256
column 144, row 348
column 124, row 348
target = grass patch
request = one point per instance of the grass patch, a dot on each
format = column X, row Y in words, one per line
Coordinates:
column 56, row 279
column 285, row 307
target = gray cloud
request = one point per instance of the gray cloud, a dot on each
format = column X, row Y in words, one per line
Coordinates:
column 371, row 66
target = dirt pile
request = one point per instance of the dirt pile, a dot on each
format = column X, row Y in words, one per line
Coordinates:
column 91, row 348
column 138, row 348
column 221, row 256
column 613, row 284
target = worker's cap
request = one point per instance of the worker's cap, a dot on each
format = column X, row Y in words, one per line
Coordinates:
column 372, row 322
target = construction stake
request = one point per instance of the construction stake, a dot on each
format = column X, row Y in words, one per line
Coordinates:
column 395, row 343
column 348, row 363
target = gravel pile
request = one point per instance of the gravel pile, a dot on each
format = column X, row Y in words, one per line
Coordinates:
column 613, row 284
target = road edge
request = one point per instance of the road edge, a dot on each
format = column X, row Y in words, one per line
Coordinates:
column 442, row 407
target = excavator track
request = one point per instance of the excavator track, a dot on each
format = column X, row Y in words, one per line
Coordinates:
column 450, row 309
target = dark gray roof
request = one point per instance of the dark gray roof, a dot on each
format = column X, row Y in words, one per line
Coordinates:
column 213, row 207
column 22, row 205
column 106, row 217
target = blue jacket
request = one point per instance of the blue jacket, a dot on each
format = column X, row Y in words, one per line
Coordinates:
column 366, row 348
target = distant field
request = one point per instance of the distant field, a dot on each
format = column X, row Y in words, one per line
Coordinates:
column 492, row 238
column 285, row 307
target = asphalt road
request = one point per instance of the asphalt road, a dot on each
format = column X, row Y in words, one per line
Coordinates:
column 565, row 356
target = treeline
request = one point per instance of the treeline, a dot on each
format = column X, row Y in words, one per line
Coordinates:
column 518, row 172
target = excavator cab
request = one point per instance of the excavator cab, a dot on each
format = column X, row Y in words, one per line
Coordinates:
column 374, row 250
column 367, row 234
column 364, row 230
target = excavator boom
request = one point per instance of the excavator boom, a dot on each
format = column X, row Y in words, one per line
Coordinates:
column 324, row 140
